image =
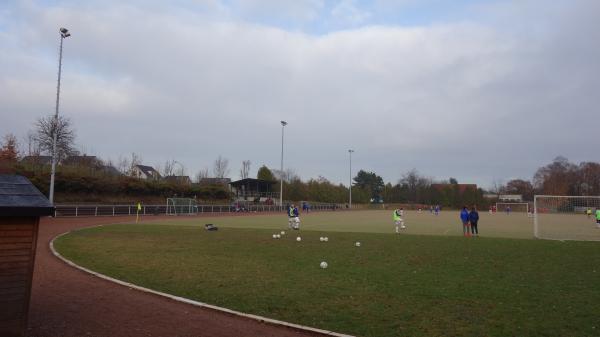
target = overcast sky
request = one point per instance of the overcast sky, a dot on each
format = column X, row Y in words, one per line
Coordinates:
column 476, row 90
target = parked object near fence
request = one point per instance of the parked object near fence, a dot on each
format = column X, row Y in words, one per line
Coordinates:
column 120, row 210
column 21, row 206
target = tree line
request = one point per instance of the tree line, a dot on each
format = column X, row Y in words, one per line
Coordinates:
column 560, row 177
column 368, row 187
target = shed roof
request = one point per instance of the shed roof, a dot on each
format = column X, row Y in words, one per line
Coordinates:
column 253, row 185
column 18, row 197
column 252, row 181
column 214, row 181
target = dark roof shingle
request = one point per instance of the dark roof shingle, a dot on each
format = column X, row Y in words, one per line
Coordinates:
column 18, row 197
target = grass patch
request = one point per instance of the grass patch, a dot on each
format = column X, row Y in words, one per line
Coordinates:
column 406, row 285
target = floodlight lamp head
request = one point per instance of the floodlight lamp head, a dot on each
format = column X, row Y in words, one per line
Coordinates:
column 283, row 123
column 350, row 150
column 64, row 32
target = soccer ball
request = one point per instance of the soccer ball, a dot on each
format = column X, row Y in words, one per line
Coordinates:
column 282, row 232
column 357, row 244
column 278, row 236
column 325, row 239
column 298, row 239
column 274, row 236
column 321, row 239
column 403, row 227
column 323, row 265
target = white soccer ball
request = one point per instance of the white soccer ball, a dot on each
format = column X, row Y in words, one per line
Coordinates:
column 357, row 244
column 325, row 239
column 282, row 232
column 298, row 239
column 278, row 236
column 403, row 227
column 274, row 236
column 321, row 239
column 323, row 265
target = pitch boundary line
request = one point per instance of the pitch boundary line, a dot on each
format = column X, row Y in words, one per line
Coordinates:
column 258, row 318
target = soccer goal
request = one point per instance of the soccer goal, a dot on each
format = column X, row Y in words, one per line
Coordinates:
column 513, row 207
column 566, row 217
column 182, row 206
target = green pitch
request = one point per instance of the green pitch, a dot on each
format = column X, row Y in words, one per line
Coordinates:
column 393, row 285
column 516, row 225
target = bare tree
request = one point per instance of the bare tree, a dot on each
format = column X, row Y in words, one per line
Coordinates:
column 290, row 175
column 414, row 184
column 497, row 187
column 556, row 178
column 203, row 173
column 168, row 169
column 136, row 159
column 181, row 171
column 47, row 126
column 220, row 168
column 33, row 147
column 245, row 170
column 520, row 186
column 109, row 164
column 589, row 177
column 123, row 165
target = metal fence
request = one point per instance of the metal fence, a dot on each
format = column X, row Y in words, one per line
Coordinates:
column 120, row 210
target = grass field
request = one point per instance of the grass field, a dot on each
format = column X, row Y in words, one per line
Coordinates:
column 393, row 285
column 516, row 225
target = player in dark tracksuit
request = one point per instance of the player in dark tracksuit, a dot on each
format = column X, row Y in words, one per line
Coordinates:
column 473, row 219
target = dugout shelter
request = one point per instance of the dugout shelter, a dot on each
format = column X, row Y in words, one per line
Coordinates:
column 250, row 189
column 21, row 206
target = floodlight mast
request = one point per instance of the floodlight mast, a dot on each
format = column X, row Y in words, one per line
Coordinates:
column 350, row 185
column 64, row 33
column 283, row 124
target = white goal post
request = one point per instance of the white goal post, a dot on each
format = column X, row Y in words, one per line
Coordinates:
column 566, row 217
column 182, row 206
column 514, row 207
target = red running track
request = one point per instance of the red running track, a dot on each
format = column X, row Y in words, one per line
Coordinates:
column 68, row 302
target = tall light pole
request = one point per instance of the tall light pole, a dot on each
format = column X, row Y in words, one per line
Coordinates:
column 283, row 124
column 64, row 33
column 350, row 186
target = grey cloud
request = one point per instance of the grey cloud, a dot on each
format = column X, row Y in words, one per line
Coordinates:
column 469, row 100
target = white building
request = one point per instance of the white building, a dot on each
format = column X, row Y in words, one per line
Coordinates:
column 511, row 197
column 144, row 172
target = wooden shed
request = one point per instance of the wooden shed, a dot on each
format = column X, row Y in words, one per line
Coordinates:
column 21, row 206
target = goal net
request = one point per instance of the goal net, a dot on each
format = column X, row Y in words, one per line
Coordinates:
column 182, row 206
column 566, row 217
column 510, row 207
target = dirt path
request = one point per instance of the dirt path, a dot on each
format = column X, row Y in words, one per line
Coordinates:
column 68, row 302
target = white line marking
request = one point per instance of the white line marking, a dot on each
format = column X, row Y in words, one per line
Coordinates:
column 192, row 302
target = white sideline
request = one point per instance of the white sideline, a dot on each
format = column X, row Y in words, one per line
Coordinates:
column 192, row 302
